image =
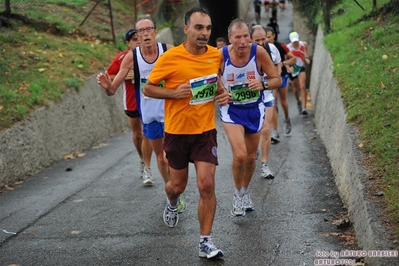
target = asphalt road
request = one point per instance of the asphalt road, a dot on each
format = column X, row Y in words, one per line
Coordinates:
column 94, row 210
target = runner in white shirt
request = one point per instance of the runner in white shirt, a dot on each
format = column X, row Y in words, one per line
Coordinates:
column 258, row 36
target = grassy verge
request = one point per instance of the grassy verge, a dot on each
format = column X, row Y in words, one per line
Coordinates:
column 365, row 49
column 42, row 61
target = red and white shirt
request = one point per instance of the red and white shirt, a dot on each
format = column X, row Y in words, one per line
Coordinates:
column 298, row 53
column 129, row 96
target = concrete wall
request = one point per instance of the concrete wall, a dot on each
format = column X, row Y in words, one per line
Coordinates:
column 341, row 142
column 80, row 120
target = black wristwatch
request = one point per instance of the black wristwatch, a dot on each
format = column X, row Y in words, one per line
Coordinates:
column 265, row 85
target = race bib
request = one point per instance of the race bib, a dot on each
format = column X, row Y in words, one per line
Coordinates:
column 297, row 70
column 242, row 94
column 143, row 81
column 203, row 89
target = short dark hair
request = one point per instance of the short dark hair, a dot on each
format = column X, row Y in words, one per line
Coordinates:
column 221, row 39
column 269, row 29
column 198, row 9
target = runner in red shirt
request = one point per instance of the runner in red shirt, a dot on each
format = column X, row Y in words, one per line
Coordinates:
column 129, row 97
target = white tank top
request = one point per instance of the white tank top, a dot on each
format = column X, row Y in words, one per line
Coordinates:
column 236, row 77
column 150, row 109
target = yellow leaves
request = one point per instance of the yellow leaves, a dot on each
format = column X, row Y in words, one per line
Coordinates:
column 41, row 70
column 33, row 232
column 69, row 156
column 60, row 55
column 23, row 86
column 1, row 107
column 8, row 188
column 100, row 145
column 76, row 232
column 393, row 70
column 74, row 155
column 382, row 85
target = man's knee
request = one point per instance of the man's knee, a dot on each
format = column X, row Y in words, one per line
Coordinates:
column 206, row 187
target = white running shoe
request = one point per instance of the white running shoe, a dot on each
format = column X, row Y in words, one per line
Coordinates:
column 247, row 202
column 208, row 250
column 287, row 126
column 265, row 171
column 238, row 207
column 275, row 138
column 141, row 169
column 147, row 179
column 170, row 216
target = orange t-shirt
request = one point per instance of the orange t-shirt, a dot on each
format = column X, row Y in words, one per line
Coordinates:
column 177, row 66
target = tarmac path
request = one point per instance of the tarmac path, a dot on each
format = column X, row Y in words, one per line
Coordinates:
column 94, row 210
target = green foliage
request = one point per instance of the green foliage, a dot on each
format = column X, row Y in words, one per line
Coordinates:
column 311, row 9
column 365, row 53
column 39, row 66
column 73, row 83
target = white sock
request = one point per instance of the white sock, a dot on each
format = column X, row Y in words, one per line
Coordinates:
column 208, row 238
column 237, row 191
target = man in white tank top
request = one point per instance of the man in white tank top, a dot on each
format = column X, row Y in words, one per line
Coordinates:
column 147, row 54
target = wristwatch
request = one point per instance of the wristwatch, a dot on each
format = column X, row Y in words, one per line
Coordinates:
column 265, row 84
column 283, row 63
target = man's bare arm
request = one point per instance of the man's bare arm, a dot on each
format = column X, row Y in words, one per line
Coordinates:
column 154, row 91
column 267, row 66
column 109, row 86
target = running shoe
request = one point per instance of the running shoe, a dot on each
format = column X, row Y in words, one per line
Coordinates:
column 247, row 202
column 287, row 126
column 141, row 169
column 238, row 207
column 275, row 138
column 170, row 216
column 304, row 111
column 208, row 250
column 182, row 206
column 147, row 180
column 265, row 171
column 299, row 105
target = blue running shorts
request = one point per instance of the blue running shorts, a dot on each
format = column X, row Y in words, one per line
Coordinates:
column 154, row 130
column 284, row 81
column 250, row 117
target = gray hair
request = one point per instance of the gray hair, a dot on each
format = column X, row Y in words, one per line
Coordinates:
column 238, row 23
